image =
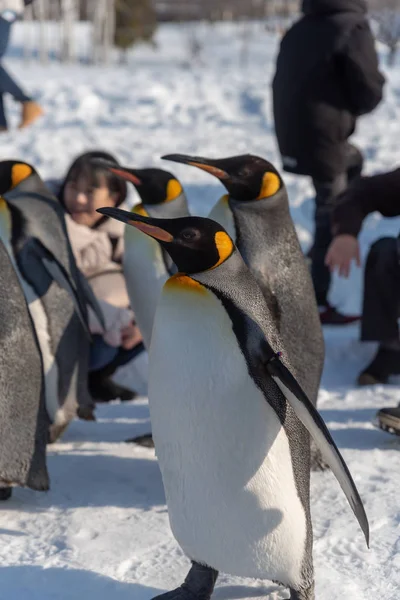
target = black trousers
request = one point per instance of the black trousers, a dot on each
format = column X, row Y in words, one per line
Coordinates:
column 382, row 292
column 326, row 194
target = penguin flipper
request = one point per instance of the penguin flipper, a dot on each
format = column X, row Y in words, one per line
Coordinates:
column 91, row 299
column 58, row 274
column 313, row 422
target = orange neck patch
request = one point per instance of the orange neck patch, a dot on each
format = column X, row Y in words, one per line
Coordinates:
column 270, row 185
column 183, row 282
column 174, row 189
column 19, row 172
column 224, row 246
column 224, row 199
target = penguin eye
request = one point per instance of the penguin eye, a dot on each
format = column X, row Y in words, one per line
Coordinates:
column 189, row 234
column 245, row 171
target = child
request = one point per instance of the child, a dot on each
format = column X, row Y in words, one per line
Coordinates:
column 97, row 243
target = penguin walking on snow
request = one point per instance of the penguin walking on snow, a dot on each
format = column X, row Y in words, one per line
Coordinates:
column 146, row 265
column 255, row 213
column 56, row 292
column 23, row 418
column 231, row 424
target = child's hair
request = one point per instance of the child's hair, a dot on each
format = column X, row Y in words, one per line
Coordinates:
column 84, row 166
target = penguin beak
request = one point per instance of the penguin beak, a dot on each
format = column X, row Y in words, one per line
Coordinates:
column 145, row 224
column 126, row 174
column 123, row 172
column 205, row 164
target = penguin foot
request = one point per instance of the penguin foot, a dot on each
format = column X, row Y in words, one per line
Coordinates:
column 305, row 594
column 5, row 493
column 178, row 594
column 56, row 431
column 199, row 585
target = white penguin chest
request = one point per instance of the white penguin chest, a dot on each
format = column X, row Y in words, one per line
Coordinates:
column 145, row 274
column 223, row 454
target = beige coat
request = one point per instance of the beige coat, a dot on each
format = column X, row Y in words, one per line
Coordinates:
column 98, row 254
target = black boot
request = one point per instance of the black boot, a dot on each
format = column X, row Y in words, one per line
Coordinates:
column 101, row 386
column 104, row 389
column 199, row 585
column 330, row 316
column 145, row 440
column 5, row 493
column 385, row 364
column 388, row 419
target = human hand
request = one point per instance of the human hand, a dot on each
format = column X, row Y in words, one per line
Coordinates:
column 343, row 249
column 130, row 336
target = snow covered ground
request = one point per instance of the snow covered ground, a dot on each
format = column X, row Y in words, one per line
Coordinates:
column 102, row 531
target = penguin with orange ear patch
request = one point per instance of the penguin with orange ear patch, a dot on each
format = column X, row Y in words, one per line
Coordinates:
column 255, row 212
column 146, row 265
column 231, row 424
column 23, row 419
column 56, row 292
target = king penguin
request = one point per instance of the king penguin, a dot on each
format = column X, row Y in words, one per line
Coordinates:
column 255, row 213
column 146, row 265
column 23, row 419
column 231, row 424
column 56, row 291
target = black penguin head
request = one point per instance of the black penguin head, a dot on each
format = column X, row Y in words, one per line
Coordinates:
column 154, row 186
column 246, row 177
column 12, row 172
column 195, row 244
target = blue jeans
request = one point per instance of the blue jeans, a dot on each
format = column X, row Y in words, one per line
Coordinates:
column 102, row 354
column 7, row 84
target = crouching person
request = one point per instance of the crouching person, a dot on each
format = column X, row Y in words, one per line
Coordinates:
column 97, row 244
column 381, row 297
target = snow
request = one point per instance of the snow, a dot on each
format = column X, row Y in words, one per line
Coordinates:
column 102, row 531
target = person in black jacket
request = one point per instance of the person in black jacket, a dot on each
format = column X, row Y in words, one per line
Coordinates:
column 326, row 76
column 381, row 306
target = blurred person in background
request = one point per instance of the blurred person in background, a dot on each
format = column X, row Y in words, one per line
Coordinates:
column 326, row 77
column 381, row 298
column 10, row 11
column 98, row 244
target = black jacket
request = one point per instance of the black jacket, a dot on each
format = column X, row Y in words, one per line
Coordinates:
column 327, row 75
column 379, row 193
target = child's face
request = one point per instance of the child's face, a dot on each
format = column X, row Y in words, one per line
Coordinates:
column 82, row 199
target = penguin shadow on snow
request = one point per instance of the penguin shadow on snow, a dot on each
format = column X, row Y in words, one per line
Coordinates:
column 242, row 592
column 12, row 532
column 36, row 583
column 95, row 480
